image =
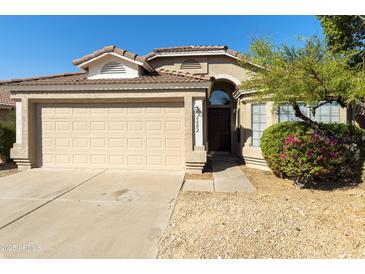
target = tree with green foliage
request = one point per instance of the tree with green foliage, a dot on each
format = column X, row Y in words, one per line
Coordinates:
column 345, row 33
column 311, row 74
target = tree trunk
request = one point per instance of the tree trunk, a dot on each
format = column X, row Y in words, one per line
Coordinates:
column 298, row 113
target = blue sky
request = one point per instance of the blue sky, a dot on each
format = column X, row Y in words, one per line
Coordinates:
column 41, row 45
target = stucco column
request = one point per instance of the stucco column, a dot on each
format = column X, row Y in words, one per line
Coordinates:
column 188, row 105
column 20, row 151
column 195, row 154
column 198, row 121
column 18, row 113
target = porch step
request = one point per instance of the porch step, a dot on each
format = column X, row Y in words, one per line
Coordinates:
column 227, row 177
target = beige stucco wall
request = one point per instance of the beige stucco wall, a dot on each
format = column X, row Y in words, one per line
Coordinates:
column 25, row 153
column 215, row 65
column 228, row 74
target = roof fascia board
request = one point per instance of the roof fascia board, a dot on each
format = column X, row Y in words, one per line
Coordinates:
column 191, row 53
column 240, row 93
column 148, row 67
column 108, row 87
column 6, row 107
column 82, row 65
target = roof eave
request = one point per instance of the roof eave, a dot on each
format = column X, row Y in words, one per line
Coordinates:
column 190, row 53
column 108, row 87
column 6, row 106
column 241, row 93
column 84, row 64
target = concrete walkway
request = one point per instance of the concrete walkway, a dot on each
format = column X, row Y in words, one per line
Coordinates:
column 227, row 177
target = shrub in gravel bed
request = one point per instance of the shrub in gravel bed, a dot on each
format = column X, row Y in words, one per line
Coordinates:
column 296, row 151
column 7, row 135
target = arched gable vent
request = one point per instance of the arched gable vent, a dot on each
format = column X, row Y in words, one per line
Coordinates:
column 191, row 64
column 113, row 68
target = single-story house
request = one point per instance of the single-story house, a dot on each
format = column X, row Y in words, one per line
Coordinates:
column 6, row 104
column 162, row 111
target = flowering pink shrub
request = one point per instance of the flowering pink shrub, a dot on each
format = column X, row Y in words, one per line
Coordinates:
column 310, row 154
column 296, row 151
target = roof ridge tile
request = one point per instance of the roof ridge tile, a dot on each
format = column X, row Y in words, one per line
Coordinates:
column 106, row 49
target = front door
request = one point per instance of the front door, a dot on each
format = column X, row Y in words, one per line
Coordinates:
column 219, row 129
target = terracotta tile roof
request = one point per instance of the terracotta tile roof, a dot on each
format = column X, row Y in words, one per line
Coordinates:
column 196, row 49
column 122, row 52
column 190, row 48
column 184, row 74
column 5, row 98
column 80, row 78
column 45, row 77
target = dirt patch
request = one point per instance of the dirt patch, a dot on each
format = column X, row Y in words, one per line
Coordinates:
column 203, row 176
column 117, row 194
column 266, row 181
column 278, row 221
column 7, row 169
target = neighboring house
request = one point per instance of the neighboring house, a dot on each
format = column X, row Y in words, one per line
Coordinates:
column 162, row 111
column 6, row 103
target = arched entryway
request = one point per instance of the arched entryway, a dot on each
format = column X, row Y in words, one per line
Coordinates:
column 221, row 117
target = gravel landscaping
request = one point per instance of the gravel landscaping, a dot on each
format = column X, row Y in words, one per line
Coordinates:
column 277, row 221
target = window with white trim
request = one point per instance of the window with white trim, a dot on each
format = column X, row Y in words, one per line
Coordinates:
column 326, row 113
column 286, row 112
column 259, row 124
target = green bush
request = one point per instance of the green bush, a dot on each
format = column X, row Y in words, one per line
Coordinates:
column 296, row 151
column 7, row 135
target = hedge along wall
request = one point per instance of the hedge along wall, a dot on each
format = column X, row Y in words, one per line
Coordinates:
column 7, row 135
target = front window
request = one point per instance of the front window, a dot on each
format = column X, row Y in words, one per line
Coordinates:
column 286, row 112
column 219, row 98
column 258, row 123
column 326, row 113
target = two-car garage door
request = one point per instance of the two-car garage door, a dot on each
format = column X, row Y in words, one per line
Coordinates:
column 125, row 135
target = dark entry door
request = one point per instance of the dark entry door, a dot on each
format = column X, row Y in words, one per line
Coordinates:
column 219, row 129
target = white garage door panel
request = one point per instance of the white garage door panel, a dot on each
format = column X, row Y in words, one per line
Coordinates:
column 128, row 136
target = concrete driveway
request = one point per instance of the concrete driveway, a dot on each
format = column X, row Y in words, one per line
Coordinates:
column 85, row 213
